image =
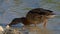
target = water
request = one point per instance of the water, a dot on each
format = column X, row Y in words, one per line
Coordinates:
column 51, row 29
column 10, row 9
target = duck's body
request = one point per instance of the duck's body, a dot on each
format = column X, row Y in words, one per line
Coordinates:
column 25, row 21
column 34, row 16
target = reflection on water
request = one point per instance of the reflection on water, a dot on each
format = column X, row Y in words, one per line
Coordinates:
column 37, row 30
column 28, row 30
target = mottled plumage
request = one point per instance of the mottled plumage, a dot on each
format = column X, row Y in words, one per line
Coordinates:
column 34, row 16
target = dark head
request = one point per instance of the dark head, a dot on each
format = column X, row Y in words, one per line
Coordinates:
column 47, row 13
column 42, row 11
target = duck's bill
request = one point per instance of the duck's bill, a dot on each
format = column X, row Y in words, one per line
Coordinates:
column 51, row 16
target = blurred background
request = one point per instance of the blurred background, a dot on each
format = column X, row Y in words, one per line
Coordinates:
column 10, row 9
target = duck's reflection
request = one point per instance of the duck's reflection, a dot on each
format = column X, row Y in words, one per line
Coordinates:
column 38, row 30
column 28, row 30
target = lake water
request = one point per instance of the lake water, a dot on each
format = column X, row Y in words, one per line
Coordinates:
column 10, row 9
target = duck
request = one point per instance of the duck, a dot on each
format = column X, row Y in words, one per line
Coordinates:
column 34, row 16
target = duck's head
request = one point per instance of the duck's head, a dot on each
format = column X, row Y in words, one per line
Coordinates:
column 48, row 13
column 43, row 12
